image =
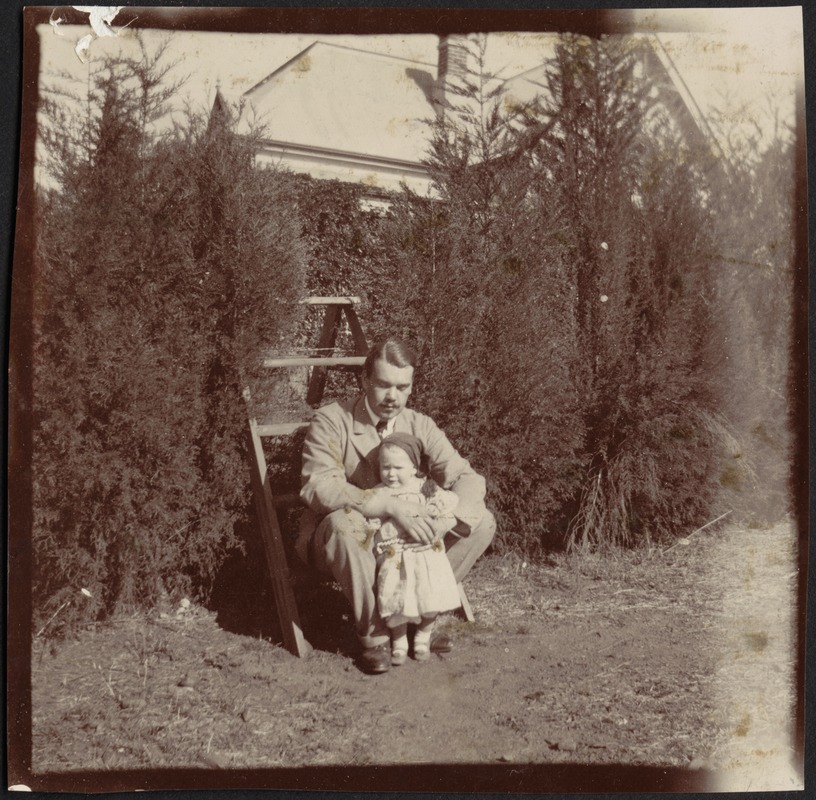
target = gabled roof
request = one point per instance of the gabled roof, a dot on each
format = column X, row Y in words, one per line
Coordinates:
column 349, row 100
column 340, row 112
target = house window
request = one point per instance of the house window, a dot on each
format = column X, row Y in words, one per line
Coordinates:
column 376, row 205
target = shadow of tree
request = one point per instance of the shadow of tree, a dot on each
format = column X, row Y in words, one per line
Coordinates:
column 424, row 79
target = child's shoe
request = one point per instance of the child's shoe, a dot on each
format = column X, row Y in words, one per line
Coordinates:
column 421, row 652
column 422, row 644
column 399, row 650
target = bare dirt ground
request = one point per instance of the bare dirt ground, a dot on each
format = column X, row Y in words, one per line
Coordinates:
column 680, row 658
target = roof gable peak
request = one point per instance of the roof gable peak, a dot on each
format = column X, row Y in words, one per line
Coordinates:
column 320, row 44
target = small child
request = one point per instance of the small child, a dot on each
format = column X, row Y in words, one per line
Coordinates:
column 415, row 581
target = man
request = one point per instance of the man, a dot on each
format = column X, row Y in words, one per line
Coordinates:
column 340, row 472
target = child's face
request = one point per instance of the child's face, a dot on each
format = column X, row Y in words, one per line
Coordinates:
column 396, row 467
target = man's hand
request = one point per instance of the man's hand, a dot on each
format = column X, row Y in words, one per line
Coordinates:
column 421, row 530
column 413, row 521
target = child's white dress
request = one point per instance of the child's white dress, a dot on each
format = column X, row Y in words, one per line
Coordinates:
column 413, row 579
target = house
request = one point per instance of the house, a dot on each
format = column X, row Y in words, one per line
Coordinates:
column 337, row 112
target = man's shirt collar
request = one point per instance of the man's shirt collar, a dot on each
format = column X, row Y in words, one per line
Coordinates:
column 389, row 425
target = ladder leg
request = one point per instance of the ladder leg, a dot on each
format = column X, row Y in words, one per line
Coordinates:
column 360, row 344
column 466, row 609
column 328, row 336
column 288, row 616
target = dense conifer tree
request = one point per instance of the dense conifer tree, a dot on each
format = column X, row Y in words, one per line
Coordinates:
column 164, row 261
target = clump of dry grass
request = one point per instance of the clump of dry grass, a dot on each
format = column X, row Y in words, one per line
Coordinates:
column 608, row 515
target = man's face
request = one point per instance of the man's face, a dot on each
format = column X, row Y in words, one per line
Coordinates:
column 388, row 388
column 396, row 467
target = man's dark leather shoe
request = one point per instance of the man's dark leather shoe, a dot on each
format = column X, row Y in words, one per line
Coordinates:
column 376, row 660
column 441, row 643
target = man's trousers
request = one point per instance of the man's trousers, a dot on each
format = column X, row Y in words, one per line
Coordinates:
column 341, row 546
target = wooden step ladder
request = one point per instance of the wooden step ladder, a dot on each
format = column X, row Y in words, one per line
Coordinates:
column 266, row 503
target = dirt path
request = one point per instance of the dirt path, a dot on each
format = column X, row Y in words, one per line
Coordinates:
column 677, row 659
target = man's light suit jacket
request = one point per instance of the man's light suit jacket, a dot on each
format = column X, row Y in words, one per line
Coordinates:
column 340, row 462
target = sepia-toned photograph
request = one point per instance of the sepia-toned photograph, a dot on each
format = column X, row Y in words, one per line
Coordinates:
column 409, row 400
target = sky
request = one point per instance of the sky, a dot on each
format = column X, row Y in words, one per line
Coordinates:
column 732, row 57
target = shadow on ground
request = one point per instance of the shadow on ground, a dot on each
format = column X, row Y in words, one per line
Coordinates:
column 243, row 600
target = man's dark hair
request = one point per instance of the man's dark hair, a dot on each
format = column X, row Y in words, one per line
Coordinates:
column 395, row 351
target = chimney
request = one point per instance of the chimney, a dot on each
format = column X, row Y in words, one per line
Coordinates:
column 451, row 65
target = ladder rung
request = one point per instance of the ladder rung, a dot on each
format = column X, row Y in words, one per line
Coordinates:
column 284, row 500
column 330, row 301
column 326, row 361
column 281, row 428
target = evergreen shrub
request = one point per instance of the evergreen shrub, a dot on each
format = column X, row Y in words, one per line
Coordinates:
column 164, row 259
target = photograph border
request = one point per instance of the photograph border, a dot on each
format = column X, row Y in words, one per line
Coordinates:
column 512, row 778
